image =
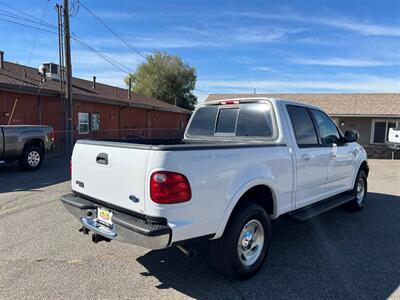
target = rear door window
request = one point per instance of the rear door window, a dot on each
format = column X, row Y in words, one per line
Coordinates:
column 303, row 126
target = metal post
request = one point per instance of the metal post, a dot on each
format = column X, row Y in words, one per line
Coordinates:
column 68, row 71
column 62, row 80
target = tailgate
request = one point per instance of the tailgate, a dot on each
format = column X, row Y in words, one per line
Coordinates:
column 111, row 173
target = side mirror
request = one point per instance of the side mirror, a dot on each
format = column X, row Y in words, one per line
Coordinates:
column 351, row 136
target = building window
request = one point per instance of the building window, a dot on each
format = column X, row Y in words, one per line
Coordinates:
column 83, row 123
column 380, row 130
column 95, row 121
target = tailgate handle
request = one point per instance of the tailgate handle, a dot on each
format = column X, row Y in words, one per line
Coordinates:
column 102, row 159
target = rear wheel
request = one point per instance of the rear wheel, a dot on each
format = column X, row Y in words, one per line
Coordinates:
column 242, row 249
column 359, row 191
column 31, row 159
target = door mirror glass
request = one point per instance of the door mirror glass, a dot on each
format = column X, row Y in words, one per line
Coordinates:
column 351, row 136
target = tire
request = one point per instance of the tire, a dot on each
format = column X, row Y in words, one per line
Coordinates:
column 359, row 191
column 31, row 158
column 228, row 252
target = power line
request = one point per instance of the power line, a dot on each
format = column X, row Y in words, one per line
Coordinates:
column 74, row 9
column 79, row 41
column 116, row 64
column 76, row 38
column 121, row 67
column 122, row 39
column 113, row 32
column 26, row 14
column 124, row 8
column 26, row 66
column 34, row 44
column 28, row 26
column 201, row 91
column 153, row 33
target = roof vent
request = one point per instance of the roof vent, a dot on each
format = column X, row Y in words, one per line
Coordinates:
column 50, row 70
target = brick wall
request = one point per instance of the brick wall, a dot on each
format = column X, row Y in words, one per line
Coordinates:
column 116, row 121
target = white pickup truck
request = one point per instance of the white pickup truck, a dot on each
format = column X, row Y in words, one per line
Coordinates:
column 241, row 163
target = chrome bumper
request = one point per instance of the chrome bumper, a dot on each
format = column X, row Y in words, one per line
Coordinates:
column 126, row 228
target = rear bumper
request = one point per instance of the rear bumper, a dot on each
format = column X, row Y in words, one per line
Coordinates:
column 126, row 228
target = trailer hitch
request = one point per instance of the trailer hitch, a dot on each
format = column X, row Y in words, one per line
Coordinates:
column 84, row 230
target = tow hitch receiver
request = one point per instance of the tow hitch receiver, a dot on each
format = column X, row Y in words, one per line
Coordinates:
column 99, row 238
column 95, row 237
column 84, row 230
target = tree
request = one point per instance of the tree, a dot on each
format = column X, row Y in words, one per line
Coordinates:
column 167, row 78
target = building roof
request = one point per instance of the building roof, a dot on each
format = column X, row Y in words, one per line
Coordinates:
column 11, row 78
column 337, row 104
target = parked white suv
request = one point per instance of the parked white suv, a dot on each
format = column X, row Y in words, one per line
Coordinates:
column 241, row 163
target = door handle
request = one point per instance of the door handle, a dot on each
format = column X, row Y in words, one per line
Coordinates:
column 306, row 158
column 102, row 159
column 333, row 155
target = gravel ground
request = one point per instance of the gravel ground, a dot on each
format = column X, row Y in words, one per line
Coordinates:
column 335, row 255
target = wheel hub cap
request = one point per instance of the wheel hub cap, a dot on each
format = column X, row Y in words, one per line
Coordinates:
column 360, row 191
column 247, row 239
column 251, row 242
column 33, row 158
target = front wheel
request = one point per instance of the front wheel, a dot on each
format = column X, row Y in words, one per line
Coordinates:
column 359, row 192
column 242, row 249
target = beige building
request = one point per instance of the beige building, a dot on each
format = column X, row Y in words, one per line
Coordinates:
column 370, row 114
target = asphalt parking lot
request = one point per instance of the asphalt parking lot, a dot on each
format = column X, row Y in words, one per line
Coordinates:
column 335, row 255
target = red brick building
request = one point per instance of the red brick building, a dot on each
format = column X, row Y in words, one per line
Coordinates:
column 100, row 111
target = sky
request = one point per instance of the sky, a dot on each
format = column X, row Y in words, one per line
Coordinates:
column 235, row 46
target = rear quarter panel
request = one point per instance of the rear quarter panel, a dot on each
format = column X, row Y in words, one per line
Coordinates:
column 218, row 178
column 16, row 137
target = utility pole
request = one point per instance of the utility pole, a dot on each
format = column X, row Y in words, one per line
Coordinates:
column 59, row 9
column 68, row 70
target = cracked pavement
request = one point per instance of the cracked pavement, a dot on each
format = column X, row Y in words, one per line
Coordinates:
column 335, row 255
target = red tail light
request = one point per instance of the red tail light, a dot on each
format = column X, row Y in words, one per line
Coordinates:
column 169, row 187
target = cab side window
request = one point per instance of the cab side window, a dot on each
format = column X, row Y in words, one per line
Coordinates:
column 328, row 130
column 303, row 126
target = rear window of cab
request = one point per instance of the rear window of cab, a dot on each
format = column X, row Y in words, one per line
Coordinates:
column 243, row 120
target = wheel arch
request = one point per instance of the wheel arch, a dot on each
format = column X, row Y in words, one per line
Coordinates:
column 362, row 166
column 34, row 142
column 257, row 191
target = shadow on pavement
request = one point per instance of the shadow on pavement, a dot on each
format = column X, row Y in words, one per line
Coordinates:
column 338, row 254
column 53, row 170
